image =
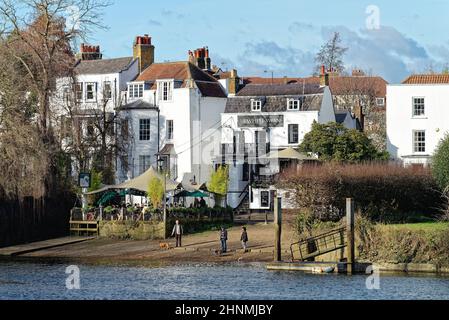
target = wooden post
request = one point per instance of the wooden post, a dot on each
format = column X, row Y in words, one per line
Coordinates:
column 277, row 227
column 164, row 203
column 350, row 235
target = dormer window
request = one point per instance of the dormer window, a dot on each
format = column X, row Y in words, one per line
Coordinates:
column 165, row 90
column 135, row 91
column 293, row 104
column 256, row 105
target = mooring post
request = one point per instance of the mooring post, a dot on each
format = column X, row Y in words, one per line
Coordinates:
column 277, row 227
column 350, row 235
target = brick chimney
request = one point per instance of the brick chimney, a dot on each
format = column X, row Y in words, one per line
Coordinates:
column 200, row 57
column 358, row 73
column 88, row 52
column 234, row 83
column 324, row 77
column 358, row 112
column 144, row 51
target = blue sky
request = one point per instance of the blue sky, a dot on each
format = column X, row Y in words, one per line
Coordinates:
column 283, row 36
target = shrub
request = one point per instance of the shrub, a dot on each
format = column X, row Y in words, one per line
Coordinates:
column 440, row 163
column 333, row 141
column 156, row 192
column 382, row 192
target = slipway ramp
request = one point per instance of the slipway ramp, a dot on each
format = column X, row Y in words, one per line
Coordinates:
column 18, row 250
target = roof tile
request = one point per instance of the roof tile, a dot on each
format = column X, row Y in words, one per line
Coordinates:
column 427, row 79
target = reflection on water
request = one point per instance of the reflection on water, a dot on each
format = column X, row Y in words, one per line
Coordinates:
column 203, row 281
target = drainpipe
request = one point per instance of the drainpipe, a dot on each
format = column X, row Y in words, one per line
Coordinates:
column 200, row 149
column 158, row 124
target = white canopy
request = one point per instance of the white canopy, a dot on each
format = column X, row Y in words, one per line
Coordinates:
column 141, row 182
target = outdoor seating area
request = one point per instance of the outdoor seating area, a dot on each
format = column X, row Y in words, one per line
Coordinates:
column 129, row 201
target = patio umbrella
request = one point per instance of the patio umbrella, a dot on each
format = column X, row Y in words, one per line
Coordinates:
column 108, row 196
column 194, row 194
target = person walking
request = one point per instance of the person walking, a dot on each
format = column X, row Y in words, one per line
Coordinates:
column 177, row 232
column 223, row 239
column 244, row 239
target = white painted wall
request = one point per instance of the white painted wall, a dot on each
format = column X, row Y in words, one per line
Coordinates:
column 118, row 82
column 138, row 148
column 278, row 136
column 401, row 123
column 195, row 123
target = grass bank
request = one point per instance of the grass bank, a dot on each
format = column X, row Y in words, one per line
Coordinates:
column 404, row 243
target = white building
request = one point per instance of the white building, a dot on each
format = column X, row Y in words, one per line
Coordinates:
column 264, row 119
column 93, row 96
column 137, row 132
column 189, row 102
column 97, row 82
column 417, row 117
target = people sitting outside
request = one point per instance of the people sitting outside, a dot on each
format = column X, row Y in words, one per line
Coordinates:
column 196, row 203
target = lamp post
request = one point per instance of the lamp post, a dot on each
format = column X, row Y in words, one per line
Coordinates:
column 272, row 76
column 164, row 201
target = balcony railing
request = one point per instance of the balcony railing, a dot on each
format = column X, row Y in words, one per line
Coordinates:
column 246, row 149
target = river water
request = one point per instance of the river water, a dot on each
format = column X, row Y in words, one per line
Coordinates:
column 44, row 281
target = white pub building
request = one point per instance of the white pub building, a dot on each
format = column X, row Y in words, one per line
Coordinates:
column 417, row 117
column 261, row 125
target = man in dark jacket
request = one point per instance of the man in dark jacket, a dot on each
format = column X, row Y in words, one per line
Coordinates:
column 223, row 239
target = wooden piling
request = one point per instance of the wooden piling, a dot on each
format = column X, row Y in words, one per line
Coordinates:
column 277, row 228
column 350, row 235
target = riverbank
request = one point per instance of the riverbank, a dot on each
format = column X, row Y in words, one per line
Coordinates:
column 197, row 248
column 202, row 247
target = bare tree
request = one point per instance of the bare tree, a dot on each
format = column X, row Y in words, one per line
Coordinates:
column 362, row 91
column 23, row 159
column 331, row 55
column 90, row 136
column 40, row 34
column 37, row 37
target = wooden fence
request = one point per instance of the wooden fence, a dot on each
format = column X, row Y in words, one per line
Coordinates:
column 30, row 219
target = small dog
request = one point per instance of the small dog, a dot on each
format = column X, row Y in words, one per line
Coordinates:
column 218, row 252
column 164, row 246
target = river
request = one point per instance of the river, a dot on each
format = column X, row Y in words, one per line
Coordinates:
column 47, row 281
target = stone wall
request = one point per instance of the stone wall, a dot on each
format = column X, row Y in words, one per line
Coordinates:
column 133, row 230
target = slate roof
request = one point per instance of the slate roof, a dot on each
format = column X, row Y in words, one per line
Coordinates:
column 339, row 85
column 280, row 89
column 427, row 79
column 274, row 98
column 183, row 71
column 340, row 116
column 105, row 66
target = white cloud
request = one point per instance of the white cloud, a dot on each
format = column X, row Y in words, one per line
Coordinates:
column 385, row 52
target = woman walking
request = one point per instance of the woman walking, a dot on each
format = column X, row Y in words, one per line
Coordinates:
column 244, row 239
